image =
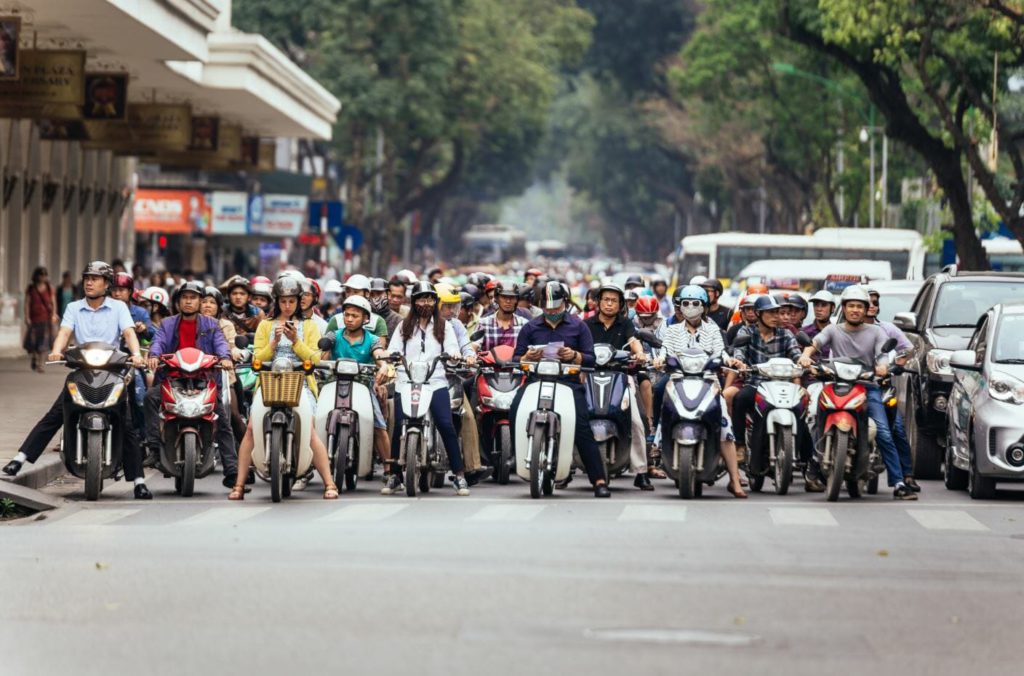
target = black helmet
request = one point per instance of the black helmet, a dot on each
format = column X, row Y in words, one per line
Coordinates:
column 434, row 271
column 795, row 300
column 503, row 289
column 378, row 284
column 194, row 286
column 780, row 298
column 466, row 299
column 614, row 288
column 713, row 284
column 231, row 283
column 423, row 289
column 551, row 295
column 473, row 290
column 286, row 286
column 99, row 269
column 634, row 280
column 764, row 303
column 214, row 293
column 526, row 293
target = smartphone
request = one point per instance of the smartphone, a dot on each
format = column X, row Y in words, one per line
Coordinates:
column 290, row 324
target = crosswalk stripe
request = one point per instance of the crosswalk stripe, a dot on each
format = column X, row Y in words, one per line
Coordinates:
column 653, row 513
column 802, row 516
column 96, row 517
column 222, row 516
column 946, row 519
column 377, row 511
column 507, row 513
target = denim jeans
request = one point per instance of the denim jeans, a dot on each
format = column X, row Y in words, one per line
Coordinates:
column 884, row 437
column 899, row 436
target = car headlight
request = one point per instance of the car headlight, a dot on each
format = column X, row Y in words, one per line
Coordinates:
column 97, row 357
column 1004, row 387
column 938, row 362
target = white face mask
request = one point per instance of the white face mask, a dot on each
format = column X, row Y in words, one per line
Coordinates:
column 692, row 313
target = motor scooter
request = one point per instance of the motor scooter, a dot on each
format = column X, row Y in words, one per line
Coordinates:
column 497, row 384
column 771, row 424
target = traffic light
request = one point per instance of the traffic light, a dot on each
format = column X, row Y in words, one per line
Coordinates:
column 162, row 242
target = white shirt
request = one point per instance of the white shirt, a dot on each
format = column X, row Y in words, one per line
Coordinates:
column 678, row 338
column 423, row 345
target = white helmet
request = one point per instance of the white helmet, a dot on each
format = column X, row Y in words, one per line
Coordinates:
column 156, row 294
column 359, row 302
column 358, row 282
column 294, row 274
column 823, row 296
column 697, row 280
column 408, row 275
column 333, row 286
column 854, row 292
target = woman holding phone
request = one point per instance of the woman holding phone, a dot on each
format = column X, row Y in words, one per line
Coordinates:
column 286, row 335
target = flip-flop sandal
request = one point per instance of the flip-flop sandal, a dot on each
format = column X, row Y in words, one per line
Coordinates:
column 331, row 492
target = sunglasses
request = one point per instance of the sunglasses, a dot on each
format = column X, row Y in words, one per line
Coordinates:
column 690, row 303
column 874, row 303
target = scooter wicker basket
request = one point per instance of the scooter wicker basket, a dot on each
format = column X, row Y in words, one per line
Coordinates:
column 282, row 389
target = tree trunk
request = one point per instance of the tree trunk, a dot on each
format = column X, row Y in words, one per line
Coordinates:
column 950, row 177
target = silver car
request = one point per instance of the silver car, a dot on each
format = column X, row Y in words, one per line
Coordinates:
column 986, row 405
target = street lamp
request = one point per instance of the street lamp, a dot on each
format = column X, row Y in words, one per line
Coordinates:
column 868, row 134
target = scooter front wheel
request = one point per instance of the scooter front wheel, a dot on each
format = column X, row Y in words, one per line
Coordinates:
column 840, row 444
column 504, row 454
column 93, row 465
column 188, row 468
column 536, row 469
column 785, row 450
column 275, row 449
column 412, row 456
column 340, row 452
column 686, row 460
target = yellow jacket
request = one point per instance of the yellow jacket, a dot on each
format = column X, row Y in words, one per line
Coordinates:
column 305, row 349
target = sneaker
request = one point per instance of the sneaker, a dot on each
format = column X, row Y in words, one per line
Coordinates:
column 910, row 483
column 300, row 483
column 903, row 492
column 461, row 486
column 813, row 484
column 392, row 484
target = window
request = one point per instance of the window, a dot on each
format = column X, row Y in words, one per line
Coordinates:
column 1009, row 340
column 961, row 304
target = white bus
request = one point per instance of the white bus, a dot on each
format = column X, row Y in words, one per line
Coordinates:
column 724, row 255
column 1004, row 254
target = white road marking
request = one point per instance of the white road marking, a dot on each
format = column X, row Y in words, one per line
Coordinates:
column 802, row 516
column 222, row 516
column 507, row 513
column 376, row 511
column 946, row 519
column 653, row 513
column 96, row 517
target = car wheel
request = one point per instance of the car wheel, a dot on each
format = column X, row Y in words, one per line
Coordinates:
column 979, row 487
column 954, row 477
column 927, row 452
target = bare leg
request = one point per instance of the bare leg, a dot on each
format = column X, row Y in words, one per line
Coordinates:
column 244, row 462
column 382, row 442
column 320, row 459
column 729, row 455
column 647, row 401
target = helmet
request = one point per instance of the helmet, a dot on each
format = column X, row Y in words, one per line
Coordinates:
column 870, row 290
column 359, row 302
column 237, row 281
column 647, row 305
column 657, row 279
column 630, row 295
column 765, row 303
column 634, row 280
column 467, row 300
column 697, row 280
column 614, row 288
column 263, row 289
column 434, row 271
column 286, row 286
column 534, row 272
column 854, row 292
column 690, row 292
column 314, row 286
column 214, row 293
column 502, row 289
column 713, row 284
column 552, row 295
column 99, row 269
column 123, row 280
column 526, row 293
column 333, row 286
column 491, row 285
column 423, row 289
column 156, row 295
column 446, row 294
column 259, row 279
column 823, row 296
column 294, row 274
column 757, row 288
column 795, row 300
column 408, row 275
column 749, row 300
column 194, row 286
column 358, row 283
column 472, row 290
column 378, row 284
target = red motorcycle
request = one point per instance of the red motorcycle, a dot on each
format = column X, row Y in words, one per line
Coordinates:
column 188, row 397
column 496, row 385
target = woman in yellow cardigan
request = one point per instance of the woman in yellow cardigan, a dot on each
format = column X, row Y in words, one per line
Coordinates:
column 282, row 336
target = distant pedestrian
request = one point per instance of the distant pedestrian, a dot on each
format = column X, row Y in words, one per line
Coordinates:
column 67, row 292
column 40, row 316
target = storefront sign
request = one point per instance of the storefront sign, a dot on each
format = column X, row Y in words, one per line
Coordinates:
column 106, row 96
column 170, row 211
column 284, row 215
column 160, row 126
column 10, row 32
column 228, row 214
column 50, row 84
column 204, row 133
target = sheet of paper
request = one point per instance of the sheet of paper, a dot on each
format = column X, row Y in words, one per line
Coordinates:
column 551, row 350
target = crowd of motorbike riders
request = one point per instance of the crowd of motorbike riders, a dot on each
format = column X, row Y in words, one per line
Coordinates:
column 483, row 324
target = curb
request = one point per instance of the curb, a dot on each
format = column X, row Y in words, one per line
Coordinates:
column 38, row 474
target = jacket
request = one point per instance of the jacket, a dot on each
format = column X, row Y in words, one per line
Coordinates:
column 209, row 338
column 307, row 348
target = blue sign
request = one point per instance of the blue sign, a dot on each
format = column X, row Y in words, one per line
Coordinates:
column 335, row 215
column 255, row 213
column 348, row 231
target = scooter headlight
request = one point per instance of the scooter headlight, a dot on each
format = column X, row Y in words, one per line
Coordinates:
column 779, row 369
column 97, row 357
column 848, row 371
column 549, row 368
column 189, row 406
column 346, row 367
column 76, row 396
column 419, row 371
column 693, row 365
column 115, row 395
column 603, row 354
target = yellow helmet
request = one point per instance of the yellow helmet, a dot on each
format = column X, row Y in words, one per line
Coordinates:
column 446, row 293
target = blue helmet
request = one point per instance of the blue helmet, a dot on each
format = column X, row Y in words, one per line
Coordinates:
column 690, row 292
column 765, row 303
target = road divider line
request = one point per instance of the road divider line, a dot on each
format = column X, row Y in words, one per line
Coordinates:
column 377, row 511
column 518, row 513
column 802, row 516
column 222, row 516
column 675, row 513
column 96, row 517
column 946, row 519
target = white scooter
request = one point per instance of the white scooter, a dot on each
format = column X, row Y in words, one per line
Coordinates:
column 281, row 414
column 344, row 418
column 544, row 437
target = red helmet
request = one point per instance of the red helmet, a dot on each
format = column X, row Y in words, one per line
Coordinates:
column 647, row 305
column 122, row 280
column 259, row 279
column 314, row 287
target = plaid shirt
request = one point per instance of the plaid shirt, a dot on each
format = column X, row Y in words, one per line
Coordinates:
column 495, row 335
column 758, row 350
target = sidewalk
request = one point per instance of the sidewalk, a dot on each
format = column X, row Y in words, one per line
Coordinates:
column 24, row 397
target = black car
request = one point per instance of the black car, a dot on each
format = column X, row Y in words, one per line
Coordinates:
column 941, row 320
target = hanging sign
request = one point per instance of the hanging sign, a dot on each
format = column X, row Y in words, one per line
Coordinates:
column 10, row 33
column 284, row 215
column 228, row 213
column 50, row 84
column 170, row 211
column 204, row 133
column 106, row 96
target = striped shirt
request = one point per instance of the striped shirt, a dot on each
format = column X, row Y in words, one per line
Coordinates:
column 708, row 337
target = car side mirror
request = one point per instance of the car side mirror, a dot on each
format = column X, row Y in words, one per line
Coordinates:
column 906, row 321
column 965, row 360
column 241, row 342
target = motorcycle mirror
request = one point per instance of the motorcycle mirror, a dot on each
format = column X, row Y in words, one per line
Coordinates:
column 326, row 343
column 888, row 345
column 803, row 340
column 241, row 342
column 742, row 340
column 476, row 335
column 648, row 337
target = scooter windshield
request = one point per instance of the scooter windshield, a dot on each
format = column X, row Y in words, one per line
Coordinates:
column 419, row 372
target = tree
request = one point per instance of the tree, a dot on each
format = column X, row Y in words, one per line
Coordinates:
column 929, row 68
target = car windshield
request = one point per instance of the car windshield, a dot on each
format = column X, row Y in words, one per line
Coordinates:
column 892, row 303
column 961, row 304
column 1009, row 340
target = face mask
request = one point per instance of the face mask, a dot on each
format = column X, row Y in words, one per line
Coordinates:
column 424, row 312
column 555, row 318
column 691, row 313
column 379, row 304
